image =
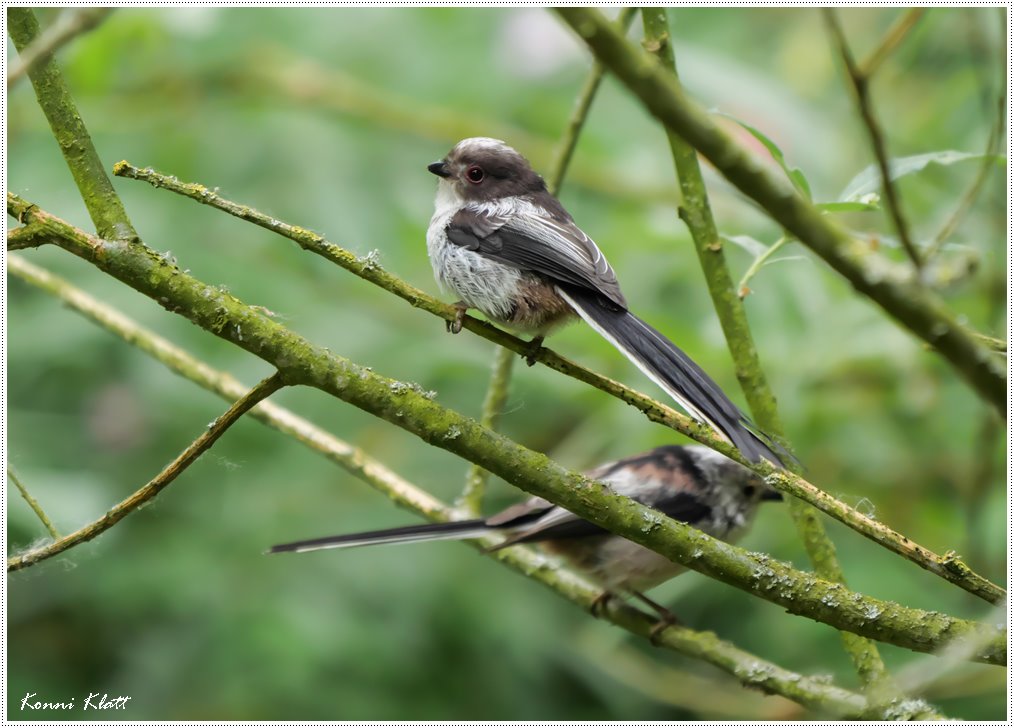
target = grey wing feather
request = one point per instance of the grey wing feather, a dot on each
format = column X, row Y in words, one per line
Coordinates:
column 531, row 238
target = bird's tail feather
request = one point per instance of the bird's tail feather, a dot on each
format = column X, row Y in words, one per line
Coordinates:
column 672, row 370
column 454, row 530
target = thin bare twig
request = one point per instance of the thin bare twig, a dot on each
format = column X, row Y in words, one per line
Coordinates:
column 580, row 113
column 751, row 670
column 137, row 499
column 742, row 289
column 71, row 23
column 405, row 406
column 954, row 571
column 33, row 504
column 860, row 86
column 891, row 40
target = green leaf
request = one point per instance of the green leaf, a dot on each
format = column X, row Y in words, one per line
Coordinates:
column 868, row 180
column 795, row 175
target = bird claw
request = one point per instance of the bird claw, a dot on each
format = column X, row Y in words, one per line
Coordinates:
column 454, row 326
column 532, row 351
column 600, row 604
column 665, row 621
column 666, row 618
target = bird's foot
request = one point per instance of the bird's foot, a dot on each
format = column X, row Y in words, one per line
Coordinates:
column 600, row 604
column 455, row 325
column 666, row 618
column 532, row 350
column 664, row 622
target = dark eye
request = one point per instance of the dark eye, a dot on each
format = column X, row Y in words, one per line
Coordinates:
column 749, row 490
column 475, row 174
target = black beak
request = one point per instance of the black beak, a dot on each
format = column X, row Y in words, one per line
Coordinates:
column 439, row 169
column 771, row 495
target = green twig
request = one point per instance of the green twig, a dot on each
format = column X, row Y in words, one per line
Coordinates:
column 891, row 40
column 492, row 407
column 860, row 85
column 103, row 204
column 155, row 486
column 368, row 269
column 750, row 669
column 301, row 362
column 696, row 213
column 33, row 504
column 580, row 113
column 916, row 308
column 742, row 290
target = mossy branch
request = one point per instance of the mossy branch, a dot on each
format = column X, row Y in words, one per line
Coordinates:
column 696, row 213
column 917, row 309
column 103, row 204
column 156, row 485
column 751, row 670
column 301, row 362
column 368, row 269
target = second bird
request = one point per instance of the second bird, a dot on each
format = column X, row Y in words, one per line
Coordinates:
column 504, row 245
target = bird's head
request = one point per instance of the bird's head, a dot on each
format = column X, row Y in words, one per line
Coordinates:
column 482, row 169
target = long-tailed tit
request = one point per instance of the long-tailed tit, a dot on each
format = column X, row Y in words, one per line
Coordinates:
column 504, row 245
column 692, row 484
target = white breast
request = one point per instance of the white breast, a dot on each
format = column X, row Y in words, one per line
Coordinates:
column 480, row 282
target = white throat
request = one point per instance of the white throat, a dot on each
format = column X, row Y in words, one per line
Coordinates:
column 448, row 200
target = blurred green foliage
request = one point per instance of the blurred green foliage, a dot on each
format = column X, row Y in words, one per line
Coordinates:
column 327, row 118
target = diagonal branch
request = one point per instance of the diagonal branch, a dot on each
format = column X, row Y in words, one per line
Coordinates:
column 917, row 309
column 155, row 486
column 301, row 362
column 749, row 669
column 860, row 85
column 951, row 569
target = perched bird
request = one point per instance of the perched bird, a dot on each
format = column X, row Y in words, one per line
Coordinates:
column 504, row 245
column 692, row 484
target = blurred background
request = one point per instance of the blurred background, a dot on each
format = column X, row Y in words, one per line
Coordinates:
column 327, row 118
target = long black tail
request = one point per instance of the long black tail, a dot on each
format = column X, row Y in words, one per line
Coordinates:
column 455, row 530
column 672, row 370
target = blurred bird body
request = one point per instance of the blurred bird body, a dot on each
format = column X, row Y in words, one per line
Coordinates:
column 691, row 484
column 505, row 246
